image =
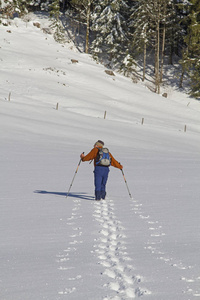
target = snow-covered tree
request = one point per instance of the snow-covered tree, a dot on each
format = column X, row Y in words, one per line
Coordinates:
column 15, row 6
column 175, row 31
column 7, row 9
column 140, row 30
column 191, row 54
column 150, row 20
column 84, row 7
column 110, row 27
column 56, row 25
column 41, row 4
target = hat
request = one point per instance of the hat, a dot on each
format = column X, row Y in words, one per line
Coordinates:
column 99, row 143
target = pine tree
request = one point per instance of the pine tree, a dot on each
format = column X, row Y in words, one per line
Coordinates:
column 7, row 9
column 39, row 4
column 21, row 6
column 150, row 21
column 85, row 10
column 15, row 6
column 140, row 31
column 56, row 25
column 110, row 27
column 175, row 31
column 191, row 55
column 44, row 5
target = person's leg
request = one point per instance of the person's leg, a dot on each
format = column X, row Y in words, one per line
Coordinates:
column 98, row 177
column 103, row 183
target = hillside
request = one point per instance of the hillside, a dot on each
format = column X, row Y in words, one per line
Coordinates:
column 55, row 248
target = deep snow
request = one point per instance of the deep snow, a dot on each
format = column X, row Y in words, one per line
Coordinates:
column 76, row 248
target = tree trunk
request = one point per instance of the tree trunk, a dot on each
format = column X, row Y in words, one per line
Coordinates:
column 171, row 54
column 88, row 27
column 162, row 55
column 63, row 6
column 145, row 57
column 181, row 79
column 157, row 54
column 144, row 61
column 163, row 42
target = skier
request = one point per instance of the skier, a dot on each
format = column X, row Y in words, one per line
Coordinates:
column 102, row 161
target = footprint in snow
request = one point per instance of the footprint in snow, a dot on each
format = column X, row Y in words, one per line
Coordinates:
column 112, row 253
column 67, row 291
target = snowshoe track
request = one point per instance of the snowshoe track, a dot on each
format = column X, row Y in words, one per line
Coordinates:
column 123, row 283
column 154, row 245
column 67, row 256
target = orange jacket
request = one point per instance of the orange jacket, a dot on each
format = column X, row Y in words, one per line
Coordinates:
column 93, row 155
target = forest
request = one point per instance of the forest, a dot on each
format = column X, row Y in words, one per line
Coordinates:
column 127, row 34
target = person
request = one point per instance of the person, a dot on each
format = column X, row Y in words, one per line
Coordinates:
column 100, row 172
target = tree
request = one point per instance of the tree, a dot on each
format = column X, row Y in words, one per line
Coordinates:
column 140, row 31
column 59, row 34
column 191, row 53
column 109, row 25
column 84, row 7
column 15, row 6
column 21, row 6
column 175, row 30
column 150, row 20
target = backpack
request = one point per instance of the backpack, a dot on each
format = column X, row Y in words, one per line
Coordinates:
column 103, row 157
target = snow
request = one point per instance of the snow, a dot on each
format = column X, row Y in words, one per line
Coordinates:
column 55, row 248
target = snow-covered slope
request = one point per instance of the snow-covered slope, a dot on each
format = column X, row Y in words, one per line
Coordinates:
column 56, row 248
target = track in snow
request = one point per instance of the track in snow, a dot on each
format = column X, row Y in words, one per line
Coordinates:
column 155, row 246
column 122, row 282
column 69, row 253
column 112, row 255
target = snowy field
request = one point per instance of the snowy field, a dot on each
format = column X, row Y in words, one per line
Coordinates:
column 56, row 248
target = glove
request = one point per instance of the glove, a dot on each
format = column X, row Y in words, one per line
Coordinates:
column 82, row 155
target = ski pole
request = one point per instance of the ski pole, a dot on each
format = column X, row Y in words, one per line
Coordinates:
column 74, row 177
column 126, row 184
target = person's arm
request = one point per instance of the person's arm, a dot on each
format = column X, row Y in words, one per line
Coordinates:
column 90, row 156
column 115, row 163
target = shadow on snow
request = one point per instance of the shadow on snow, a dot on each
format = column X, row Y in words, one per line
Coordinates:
column 72, row 195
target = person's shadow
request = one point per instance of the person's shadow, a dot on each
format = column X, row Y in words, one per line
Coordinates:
column 64, row 194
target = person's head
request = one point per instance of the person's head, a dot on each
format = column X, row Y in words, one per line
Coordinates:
column 99, row 143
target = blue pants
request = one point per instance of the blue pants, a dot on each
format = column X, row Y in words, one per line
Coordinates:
column 100, row 180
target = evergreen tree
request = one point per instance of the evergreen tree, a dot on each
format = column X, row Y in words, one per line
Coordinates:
column 1, row 12
column 140, row 31
column 149, row 23
column 15, row 6
column 45, row 4
column 84, row 7
column 175, row 31
column 21, row 6
column 38, row 4
column 56, row 25
column 191, row 55
column 110, row 27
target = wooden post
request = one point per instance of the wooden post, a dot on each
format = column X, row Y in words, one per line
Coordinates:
column 105, row 114
column 57, row 106
column 185, row 128
column 9, row 96
column 142, row 121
